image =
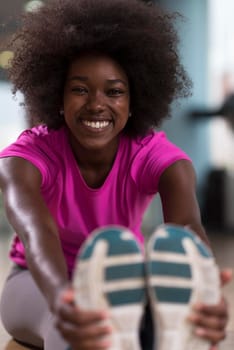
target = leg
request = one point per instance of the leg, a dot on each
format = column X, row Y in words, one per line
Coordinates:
column 25, row 313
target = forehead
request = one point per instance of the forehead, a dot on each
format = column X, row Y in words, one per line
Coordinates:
column 96, row 64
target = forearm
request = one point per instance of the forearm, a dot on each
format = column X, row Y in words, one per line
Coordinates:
column 30, row 217
column 192, row 222
column 198, row 228
column 47, row 266
column 39, row 235
column 177, row 189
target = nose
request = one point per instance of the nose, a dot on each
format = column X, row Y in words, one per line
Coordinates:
column 96, row 102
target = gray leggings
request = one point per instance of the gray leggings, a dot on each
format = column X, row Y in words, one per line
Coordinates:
column 26, row 316
column 25, row 313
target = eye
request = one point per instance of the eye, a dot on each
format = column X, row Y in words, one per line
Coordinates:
column 79, row 90
column 115, row 92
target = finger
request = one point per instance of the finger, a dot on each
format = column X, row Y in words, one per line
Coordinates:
column 214, row 317
column 81, row 317
column 82, row 334
column 209, row 326
column 218, row 310
column 96, row 337
column 226, row 276
column 101, row 344
column 66, row 312
column 68, row 296
column 85, row 317
column 209, row 322
column 214, row 347
column 214, row 336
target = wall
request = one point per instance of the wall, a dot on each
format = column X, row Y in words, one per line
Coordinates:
column 11, row 116
column 192, row 136
column 193, row 32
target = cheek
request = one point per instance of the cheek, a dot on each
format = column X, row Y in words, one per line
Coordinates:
column 72, row 107
column 69, row 110
column 123, row 106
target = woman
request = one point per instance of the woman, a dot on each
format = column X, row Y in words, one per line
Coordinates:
column 97, row 76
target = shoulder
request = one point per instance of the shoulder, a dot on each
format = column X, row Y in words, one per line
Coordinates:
column 143, row 143
column 40, row 147
column 41, row 134
column 38, row 139
column 156, row 146
column 154, row 154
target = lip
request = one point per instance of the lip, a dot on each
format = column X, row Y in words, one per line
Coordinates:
column 94, row 120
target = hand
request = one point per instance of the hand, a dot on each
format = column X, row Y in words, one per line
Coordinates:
column 210, row 321
column 83, row 330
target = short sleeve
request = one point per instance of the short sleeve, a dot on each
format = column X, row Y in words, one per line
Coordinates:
column 34, row 147
column 152, row 160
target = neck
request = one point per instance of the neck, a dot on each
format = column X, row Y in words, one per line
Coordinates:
column 95, row 165
column 95, row 159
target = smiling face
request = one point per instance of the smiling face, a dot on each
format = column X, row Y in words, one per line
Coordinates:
column 96, row 102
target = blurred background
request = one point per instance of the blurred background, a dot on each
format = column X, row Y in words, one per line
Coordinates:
column 202, row 125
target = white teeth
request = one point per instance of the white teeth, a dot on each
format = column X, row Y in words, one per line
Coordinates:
column 96, row 125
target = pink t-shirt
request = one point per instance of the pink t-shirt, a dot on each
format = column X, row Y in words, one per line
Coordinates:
column 78, row 209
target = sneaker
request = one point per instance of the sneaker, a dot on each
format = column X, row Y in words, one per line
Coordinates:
column 181, row 271
column 110, row 275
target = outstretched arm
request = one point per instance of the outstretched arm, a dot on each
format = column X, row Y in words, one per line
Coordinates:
column 177, row 189
column 27, row 213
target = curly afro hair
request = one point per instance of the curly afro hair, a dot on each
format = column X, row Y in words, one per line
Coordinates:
column 140, row 37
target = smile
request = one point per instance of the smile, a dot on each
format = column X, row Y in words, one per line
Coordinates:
column 96, row 125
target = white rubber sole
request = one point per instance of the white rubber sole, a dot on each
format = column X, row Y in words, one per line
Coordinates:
column 110, row 275
column 180, row 272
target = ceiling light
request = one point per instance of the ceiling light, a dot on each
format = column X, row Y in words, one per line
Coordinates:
column 33, row 5
column 5, row 57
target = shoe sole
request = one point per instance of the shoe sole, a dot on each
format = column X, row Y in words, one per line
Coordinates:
column 110, row 275
column 181, row 271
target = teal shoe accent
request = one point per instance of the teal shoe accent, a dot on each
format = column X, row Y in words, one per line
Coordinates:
column 162, row 268
column 126, row 297
column 168, row 240
column 116, row 245
column 173, row 242
column 181, row 271
column 110, row 275
column 172, row 295
column 116, row 273
column 122, row 264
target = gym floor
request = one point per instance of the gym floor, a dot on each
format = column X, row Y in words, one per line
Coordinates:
column 223, row 246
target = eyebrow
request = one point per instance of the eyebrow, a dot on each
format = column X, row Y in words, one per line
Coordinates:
column 84, row 78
